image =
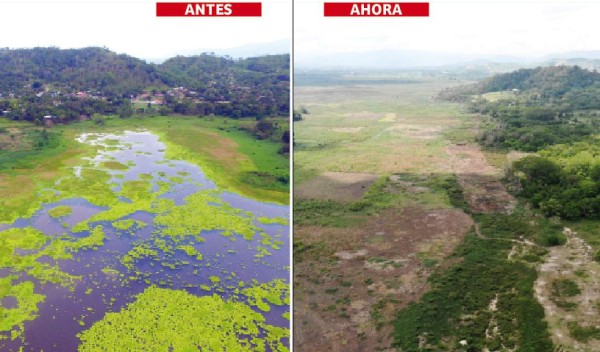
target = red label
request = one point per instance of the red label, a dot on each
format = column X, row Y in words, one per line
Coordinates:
column 204, row 9
column 374, row 9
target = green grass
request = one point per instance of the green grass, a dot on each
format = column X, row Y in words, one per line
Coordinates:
column 35, row 150
column 381, row 145
column 561, row 290
column 583, row 333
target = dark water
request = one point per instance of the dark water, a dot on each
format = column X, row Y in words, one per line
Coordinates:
column 231, row 259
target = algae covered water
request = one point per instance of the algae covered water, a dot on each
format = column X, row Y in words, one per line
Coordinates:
column 138, row 249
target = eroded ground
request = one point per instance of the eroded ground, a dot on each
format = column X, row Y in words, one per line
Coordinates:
column 351, row 282
column 568, row 287
column 479, row 180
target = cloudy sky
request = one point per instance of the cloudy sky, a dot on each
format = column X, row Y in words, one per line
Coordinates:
column 131, row 27
column 520, row 28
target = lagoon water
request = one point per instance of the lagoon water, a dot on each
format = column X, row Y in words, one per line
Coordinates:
column 106, row 284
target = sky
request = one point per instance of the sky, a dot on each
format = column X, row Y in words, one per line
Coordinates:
column 131, row 27
column 515, row 28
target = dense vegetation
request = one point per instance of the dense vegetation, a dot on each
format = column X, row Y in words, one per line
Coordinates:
column 530, row 109
column 564, row 181
column 74, row 83
column 457, row 308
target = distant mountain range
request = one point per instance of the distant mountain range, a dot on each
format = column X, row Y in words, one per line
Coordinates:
column 413, row 59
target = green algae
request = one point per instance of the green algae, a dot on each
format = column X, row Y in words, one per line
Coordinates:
column 204, row 211
column 276, row 292
column 261, row 252
column 140, row 251
column 114, row 165
column 31, row 240
column 12, row 319
column 110, row 272
column 269, row 221
column 191, row 251
column 128, row 224
column 146, row 177
column 176, row 179
column 60, row 211
column 164, row 319
column 19, row 238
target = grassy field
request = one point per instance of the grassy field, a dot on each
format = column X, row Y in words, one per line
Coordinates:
column 434, row 254
column 369, row 129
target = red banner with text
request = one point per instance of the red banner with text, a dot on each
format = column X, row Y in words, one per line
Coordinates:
column 375, row 9
column 207, row 9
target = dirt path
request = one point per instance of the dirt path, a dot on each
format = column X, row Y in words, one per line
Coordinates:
column 479, row 180
column 573, row 261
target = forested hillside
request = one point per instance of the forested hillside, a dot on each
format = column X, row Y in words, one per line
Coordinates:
column 66, row 85
column 257, row 85
column 531, row 109
column 97, row 69
column 553, row 111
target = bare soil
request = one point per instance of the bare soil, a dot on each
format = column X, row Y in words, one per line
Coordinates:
column 347, row 292
column 340, row 186
column 479, row 180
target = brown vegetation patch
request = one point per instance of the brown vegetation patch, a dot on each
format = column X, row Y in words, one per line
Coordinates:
column 479, row 180
column 349, row 283
column 340, row 186
column 468, row 159
column 415, row 131
column 218, row 148
column 14, row 139
column 485, row 194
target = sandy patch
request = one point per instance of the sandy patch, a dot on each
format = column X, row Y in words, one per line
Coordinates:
column 348, row 129
column 389, row 117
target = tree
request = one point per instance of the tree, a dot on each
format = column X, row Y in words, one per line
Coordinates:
column 126, row 110
column 297, row 116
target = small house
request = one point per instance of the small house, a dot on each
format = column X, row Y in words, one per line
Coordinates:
column 48, row 120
